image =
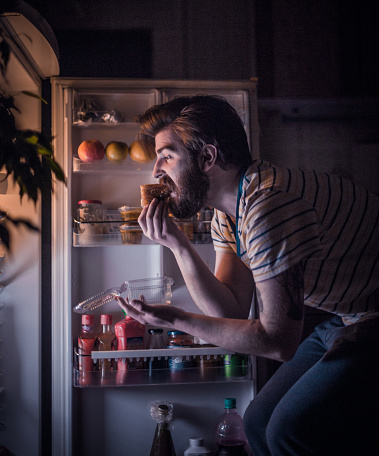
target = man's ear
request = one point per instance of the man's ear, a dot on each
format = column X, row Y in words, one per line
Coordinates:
column 208, row 157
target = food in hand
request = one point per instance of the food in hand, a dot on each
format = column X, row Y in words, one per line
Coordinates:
column 151, row 191
column 116, row 151
column 138, row 154
column 91, row 150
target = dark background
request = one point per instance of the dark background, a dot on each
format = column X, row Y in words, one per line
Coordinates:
column 297, row 48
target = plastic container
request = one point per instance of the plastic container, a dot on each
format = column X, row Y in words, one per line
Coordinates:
column 197, row 447
column 130, row 213
column 155, row 290
column 230, row 436
column 131, row 233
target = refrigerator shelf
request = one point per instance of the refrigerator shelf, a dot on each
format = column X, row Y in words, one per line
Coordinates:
column 114, row 231
column 200, row 372
column 164, row 352
column 105, row 166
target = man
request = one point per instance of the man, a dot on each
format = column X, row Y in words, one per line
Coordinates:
column 291, row 238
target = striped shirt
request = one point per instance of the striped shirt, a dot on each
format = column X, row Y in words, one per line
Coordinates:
column 289, row 215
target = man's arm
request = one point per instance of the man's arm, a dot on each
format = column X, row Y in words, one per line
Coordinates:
column 276, row 334
column 227, row 293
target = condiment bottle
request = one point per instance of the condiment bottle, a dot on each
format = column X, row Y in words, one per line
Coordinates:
column 86, row 344
column 155, row 341
column 130, row 336
column 106, row 342
column 163, row 444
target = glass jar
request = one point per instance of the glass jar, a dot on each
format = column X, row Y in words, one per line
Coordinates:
column 179, row 339
column 90, row 216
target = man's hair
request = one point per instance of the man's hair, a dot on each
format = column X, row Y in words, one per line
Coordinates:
column 197, row 121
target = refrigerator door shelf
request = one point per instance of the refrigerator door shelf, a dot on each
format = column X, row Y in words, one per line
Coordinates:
column 201, row 370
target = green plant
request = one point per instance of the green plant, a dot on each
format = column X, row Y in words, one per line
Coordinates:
column 26, row 155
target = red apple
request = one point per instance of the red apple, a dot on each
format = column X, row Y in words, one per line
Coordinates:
column 90, row 150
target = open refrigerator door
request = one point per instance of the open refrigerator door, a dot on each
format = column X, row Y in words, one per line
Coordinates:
column 93, row 255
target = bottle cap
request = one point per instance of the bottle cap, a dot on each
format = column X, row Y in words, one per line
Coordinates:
column 177, row 333
column 196, row 442
column 106, row 320
column 89, row 202
column 155, row 331
column 230, row 403
column 87, row 320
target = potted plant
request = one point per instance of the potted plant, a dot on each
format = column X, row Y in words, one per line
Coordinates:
column 27, row 156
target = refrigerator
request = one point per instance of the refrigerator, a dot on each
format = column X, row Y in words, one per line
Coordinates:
column 44, row 408
column 115, row 418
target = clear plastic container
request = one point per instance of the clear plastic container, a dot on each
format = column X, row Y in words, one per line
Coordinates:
column 156, row 290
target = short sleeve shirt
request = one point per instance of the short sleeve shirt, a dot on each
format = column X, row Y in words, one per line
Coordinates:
column 287, row 216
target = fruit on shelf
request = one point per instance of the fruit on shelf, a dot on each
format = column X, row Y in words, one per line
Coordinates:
column 116, row 151
column 138, row 154
column 91, row 150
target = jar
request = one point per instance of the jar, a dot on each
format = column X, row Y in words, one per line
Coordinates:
column 90, row 211
column 90, row 216
column 179, row 339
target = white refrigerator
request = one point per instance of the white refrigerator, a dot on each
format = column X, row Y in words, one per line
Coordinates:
column 115, row 419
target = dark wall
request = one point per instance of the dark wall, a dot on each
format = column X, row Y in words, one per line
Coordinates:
column 297, row 48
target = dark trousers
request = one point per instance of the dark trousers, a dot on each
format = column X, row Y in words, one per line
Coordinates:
column 325, row 401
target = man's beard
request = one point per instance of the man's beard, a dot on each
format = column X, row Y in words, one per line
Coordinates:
column 191, row 192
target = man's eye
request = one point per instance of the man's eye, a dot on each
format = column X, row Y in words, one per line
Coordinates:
column 167, row 157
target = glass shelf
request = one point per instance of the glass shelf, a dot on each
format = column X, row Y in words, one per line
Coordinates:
column 115, row 231
column 229, row 367
column 105, row 166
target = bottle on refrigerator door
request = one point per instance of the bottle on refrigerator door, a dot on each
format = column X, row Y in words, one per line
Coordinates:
column 130, row 336
column 154, row 342
column 106, row 342
column 197, row 448
column 87, row 342
column 163, row 444
column 230, row 436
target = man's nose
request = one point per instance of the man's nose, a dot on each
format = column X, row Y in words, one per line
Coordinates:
column 158, row 172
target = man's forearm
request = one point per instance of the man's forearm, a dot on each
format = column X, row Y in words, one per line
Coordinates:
column 210, row 295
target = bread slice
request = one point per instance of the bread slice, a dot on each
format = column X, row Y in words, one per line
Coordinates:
column 151, row 191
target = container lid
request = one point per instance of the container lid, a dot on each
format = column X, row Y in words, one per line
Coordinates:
column 177, row 333
column 89, row 202
column 87, row 320
column 155, row 331
column 106, row 320
column 198, row 441
column 230, row 403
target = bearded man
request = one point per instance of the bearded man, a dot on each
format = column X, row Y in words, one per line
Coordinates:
column 289, row 238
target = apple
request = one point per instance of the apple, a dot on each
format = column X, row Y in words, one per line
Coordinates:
column 138, row 154
column 116, row 151
column 90, row 150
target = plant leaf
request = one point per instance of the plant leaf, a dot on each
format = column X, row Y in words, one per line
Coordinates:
column 34, row 95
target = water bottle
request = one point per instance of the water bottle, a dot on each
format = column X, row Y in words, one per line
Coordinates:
column 230, row 436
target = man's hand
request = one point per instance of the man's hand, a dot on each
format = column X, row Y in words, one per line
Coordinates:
column 158, row 315
column 157, row 226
